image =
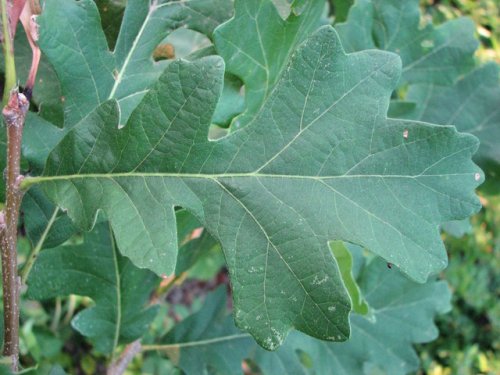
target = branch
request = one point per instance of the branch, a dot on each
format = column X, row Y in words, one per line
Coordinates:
column 14, row 114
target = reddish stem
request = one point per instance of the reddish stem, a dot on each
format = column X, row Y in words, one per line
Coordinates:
column 14, row 115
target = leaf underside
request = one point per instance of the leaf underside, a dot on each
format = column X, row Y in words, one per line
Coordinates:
column 319, row 162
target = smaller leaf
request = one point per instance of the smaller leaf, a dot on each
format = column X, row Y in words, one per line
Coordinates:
column 400, row 108
column 204, row 339
column 186, row 224
column 111, row 12
column 95, row 269
column 191, row 252
column 257, row 42
column 38, row 211
column 438, row 55
column 344, row 260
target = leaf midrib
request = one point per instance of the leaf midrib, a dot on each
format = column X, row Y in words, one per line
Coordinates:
column 30, row 181
column 215, row 178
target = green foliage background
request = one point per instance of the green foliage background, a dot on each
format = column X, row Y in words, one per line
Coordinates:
column 469, row 340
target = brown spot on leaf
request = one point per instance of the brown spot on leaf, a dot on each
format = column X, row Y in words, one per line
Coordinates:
column 164, row 51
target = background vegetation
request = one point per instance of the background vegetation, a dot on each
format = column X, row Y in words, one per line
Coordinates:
column 469, row 340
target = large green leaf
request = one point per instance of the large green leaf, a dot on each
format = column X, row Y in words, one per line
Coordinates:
column 73, row 40
column 257, row 43
column 95, row 269
column 402, row 314
column 438, row 55
column 320, row 162
column 471, row 104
